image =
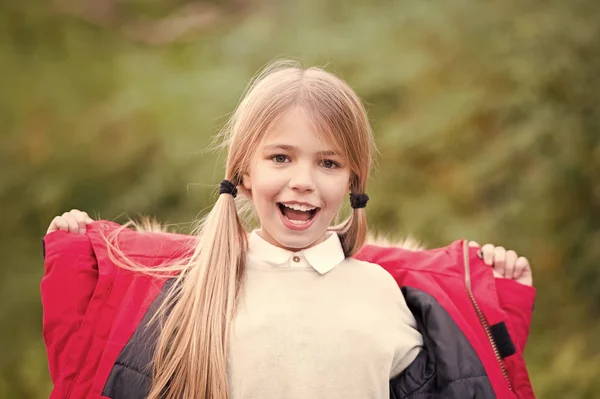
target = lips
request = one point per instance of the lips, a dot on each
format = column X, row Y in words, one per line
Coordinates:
column 304, row 221
column 297, row 213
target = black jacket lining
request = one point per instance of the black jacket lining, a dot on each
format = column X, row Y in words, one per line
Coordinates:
column 144, row 373
column 441, row 371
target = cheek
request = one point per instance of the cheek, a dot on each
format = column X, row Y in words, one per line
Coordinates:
column 336, row 191
column 265, row 185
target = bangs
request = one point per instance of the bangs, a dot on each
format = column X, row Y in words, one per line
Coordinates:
column 321, row 125
column 334, row 128
column 329, row 135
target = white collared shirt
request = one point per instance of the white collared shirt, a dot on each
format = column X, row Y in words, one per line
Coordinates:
column 322, row 257
column 314, row 324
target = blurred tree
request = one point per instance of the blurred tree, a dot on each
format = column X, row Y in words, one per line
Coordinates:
column 486, row 115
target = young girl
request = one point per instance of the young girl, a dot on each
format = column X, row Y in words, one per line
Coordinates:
column 289, row 310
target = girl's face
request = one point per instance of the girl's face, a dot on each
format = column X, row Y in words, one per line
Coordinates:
column 297, row 183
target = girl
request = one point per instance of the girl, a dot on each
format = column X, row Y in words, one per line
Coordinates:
column 289, row 310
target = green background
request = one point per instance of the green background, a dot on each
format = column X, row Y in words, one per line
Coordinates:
column 486, row 115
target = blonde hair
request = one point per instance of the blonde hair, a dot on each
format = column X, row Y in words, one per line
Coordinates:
column 190, row 359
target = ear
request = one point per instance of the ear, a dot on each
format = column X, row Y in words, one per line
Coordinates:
column 246, row 186
column 353, row 178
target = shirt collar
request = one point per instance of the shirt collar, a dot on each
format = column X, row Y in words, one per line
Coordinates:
column 322, row 257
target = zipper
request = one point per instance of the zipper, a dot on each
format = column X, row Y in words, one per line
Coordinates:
column 482, row 318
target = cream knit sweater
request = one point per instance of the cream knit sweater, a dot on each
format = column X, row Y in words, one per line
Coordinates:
column 314, row 324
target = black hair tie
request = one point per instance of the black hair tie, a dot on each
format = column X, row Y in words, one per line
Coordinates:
column 358, row 200
column 227, row 187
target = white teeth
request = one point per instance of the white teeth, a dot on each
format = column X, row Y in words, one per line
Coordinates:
column 298, row 222
column 298, row 207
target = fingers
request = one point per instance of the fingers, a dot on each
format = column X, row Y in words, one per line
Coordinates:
column 507, row 264
column 523, row 272
column 82, row 220
column 510, row 263
column 488, row 254
column 74, row 221
column 73, row 224
column 520, row 265
column 500, row 260
column 58, row 223
column 475, row 244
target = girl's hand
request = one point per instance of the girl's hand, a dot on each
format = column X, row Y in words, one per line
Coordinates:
column 74, row 221
column 506, row 264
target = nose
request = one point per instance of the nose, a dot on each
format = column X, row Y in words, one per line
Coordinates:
column 302, row 179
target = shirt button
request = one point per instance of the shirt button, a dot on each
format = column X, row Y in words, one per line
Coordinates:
column 296, row 259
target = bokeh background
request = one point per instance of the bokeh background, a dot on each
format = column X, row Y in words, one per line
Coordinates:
column 487, row 117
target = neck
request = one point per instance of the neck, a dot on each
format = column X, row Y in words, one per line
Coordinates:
column 271, row 240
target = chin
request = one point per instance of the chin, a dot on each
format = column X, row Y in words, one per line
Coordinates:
column 298, row 240
column 297, row 243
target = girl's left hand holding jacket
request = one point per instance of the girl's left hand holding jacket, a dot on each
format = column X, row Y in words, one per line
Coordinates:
column 474, row 318
column 506, row 264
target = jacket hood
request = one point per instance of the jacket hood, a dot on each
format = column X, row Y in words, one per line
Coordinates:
column 150, row 232
column 151, row 240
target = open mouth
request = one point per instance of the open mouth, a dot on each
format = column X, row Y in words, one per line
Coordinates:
column 298, row 214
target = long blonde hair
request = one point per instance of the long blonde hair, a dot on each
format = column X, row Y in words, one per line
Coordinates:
column 190, row 360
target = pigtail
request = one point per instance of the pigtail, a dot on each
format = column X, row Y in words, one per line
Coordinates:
column 354, row 233
column 191, row 354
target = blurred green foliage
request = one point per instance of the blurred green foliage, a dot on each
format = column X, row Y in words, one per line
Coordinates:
column 486, row 114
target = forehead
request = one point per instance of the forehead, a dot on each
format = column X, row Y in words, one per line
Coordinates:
column 296, row 128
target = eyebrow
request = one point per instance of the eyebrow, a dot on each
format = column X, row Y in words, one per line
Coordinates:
column 291, row 148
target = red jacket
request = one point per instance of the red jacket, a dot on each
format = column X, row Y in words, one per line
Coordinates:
column 92, row 308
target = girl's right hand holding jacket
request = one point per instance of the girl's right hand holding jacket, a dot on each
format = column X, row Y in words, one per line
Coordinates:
column 74, row 221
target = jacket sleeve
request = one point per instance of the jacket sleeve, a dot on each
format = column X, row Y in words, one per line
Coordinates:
column 70, row 276
column 517, row 301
